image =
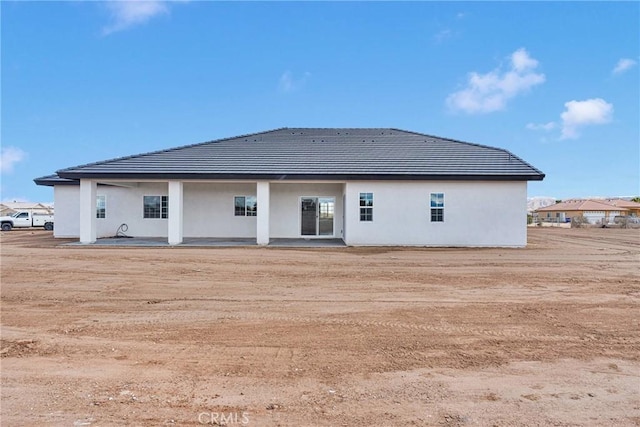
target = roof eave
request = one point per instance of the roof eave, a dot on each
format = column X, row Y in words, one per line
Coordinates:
column 52, row 180
column 312, row 177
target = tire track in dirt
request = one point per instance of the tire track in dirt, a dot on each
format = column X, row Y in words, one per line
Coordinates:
column 602, row 243
column 445, row 328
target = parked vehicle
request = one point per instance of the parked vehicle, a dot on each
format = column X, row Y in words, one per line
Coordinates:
column 26, row 219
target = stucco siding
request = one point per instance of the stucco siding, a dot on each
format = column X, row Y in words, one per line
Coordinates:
column 209, row 210
column 67, row 211
column 475, row 214
column 124, row 205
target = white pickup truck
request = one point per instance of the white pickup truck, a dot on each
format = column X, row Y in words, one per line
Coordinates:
column 26, row 219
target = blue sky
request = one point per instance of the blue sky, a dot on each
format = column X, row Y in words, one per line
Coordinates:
column 556, row 83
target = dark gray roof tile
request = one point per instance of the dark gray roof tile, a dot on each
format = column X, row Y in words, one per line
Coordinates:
column 318, row 153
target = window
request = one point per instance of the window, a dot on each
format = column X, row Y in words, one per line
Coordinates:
column 366, row 206
column 245, row 206
column 326, row 208
column 101, row 206
column 437, row 207
column 156, row 207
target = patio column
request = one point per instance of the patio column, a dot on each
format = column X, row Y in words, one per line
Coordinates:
column 262, row 220
column 174, row 225
column 88, row 190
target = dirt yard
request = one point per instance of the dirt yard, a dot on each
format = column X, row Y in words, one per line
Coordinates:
column 547, row 335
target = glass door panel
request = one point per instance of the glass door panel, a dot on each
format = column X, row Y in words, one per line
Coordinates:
column 326, row 208
column 309, row 218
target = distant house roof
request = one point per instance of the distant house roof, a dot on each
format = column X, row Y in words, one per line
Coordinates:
column 25, row 206
column 581, row 205
column 623, row 203
column 314, row 153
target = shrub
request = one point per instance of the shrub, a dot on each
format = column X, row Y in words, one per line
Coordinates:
column 579, row 221
column 623, row 221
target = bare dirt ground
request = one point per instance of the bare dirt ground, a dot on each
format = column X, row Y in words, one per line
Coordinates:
column 547, row 335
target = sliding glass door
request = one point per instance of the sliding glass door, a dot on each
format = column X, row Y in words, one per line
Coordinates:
column 317, row 216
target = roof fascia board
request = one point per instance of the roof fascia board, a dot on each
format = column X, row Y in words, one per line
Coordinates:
column 310, row 177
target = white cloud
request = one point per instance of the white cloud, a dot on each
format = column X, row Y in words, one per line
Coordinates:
column 578, row 114
column 128, row 13
column 486, row 93
column 542, row 126
column 288, row 83
column 9, row 156
column 623, row 65
column 522, row 61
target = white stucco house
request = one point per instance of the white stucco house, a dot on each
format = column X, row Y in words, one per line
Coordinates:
column 363, row 186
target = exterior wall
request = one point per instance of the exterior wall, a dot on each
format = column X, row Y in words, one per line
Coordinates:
column 123, row 205
column 285, row 207
column 555, row 216
column 66, row 219
column 209, row 210
column 475, row 214
column 478, row 213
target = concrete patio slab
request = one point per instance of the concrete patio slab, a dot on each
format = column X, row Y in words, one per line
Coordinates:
column 209, row 242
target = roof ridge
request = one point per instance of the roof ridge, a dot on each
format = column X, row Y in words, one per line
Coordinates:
column 337, row 128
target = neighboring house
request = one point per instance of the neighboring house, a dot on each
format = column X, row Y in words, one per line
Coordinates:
column 632, row 208
column 6, row 210
column 364, row 186
column 595, row 211
column 9, row 208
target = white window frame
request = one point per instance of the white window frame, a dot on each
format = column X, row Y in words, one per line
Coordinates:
column 436, row 207
column 366, row 206
column 246, row 210
column 163, row 209
column 101, row 207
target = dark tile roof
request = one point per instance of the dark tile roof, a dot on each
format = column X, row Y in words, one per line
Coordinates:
column 317, row 153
